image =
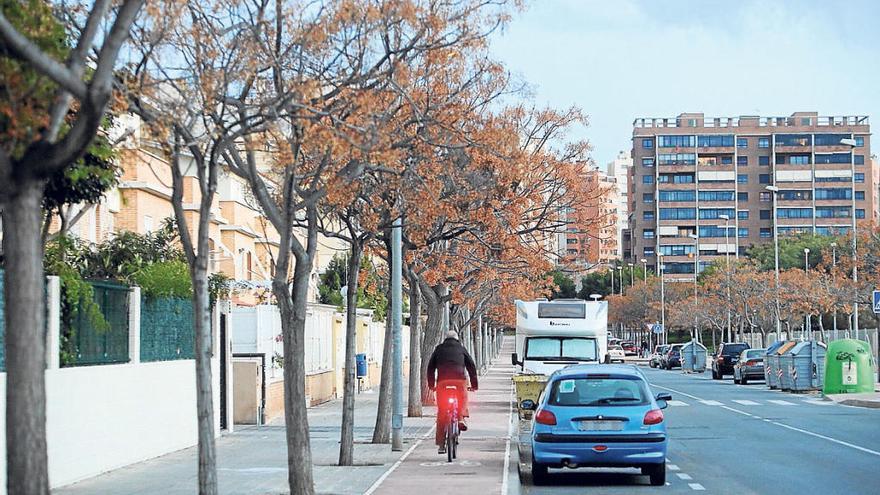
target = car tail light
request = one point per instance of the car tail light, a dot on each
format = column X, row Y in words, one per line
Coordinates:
column 751, row 363
column 653, row 417
column 545, row 417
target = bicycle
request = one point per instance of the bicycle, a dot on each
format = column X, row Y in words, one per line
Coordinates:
column 453, row 418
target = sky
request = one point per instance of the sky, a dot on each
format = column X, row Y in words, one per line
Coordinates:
column 622, row 59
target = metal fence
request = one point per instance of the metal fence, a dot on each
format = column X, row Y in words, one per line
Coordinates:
column 92, row 342
column 167, row 329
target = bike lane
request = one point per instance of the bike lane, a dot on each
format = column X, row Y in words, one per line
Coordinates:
column 482, row 452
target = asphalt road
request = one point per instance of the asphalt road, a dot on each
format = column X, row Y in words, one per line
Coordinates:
column 727, row 438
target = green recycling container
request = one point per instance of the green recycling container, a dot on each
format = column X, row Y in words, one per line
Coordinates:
column 849, row 367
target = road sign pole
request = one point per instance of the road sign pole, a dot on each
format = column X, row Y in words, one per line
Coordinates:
column 397, row 343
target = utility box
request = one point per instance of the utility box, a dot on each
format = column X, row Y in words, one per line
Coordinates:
column 849, row 367
column 361, row 361
column 771, row 362
column 807, row 367
column 785, row 364
column 693, row 357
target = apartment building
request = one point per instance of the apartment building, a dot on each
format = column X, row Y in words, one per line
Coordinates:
column 702, row 188
column 619, row 170
column 594, row 244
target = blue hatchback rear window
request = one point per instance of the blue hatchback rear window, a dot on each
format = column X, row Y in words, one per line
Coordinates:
column 602, row 390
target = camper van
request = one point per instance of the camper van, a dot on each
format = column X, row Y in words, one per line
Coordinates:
column 553, row 334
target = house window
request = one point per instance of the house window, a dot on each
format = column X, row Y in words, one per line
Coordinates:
column 765, row 214
column 742, row 161
column 800, row 160
column 647, row 215
column 648, row 233
column 742, row 214
column 743, row 232
column 647, row 179
column 860, row 141
column 763, row 142
column 742, row 196
column 780, row 159
column 765, row 233
column 742, row 142
column 764, row 160
column 764, row 179
column 859, row 177
column 648, row 162
column 647, row 143
column 648, row 197
column 860, row 195
column 860, row 213
column 742, row 178
column 859, row 159
column 726, row 160
column 649, row 251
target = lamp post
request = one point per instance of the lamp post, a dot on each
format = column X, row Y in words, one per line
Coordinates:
column 644, row 270
column 696, row 238
column 726, row 219
column 620, row 277
column 645, row 299
column 632, row 280
column 662, row 298
column 806, row 271
column 833, row 276
column 851, row 142
column 612, row 279
column 774, row 190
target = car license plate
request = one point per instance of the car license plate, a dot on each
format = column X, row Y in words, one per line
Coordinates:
column 600, row 425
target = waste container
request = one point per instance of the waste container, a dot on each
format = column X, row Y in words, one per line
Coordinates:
column 361, row 360
column 782, row 372
column 693, row 357
column 771, row 363
column 849, row 367
column 807, row 368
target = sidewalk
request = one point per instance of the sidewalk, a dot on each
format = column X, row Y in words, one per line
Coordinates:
column 252, row 459
column 868, row 399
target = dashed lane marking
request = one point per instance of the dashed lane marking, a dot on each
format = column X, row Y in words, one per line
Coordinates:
column 677, row 403
column 781, row 402
column 672, row 467
column 710, row 402
column 696, row 486
column 746, row 402
column 684, row 476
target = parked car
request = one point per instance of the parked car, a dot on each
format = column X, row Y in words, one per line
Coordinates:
column 629, row 348
column 615, row 353
column 725, row 358
column 672, row 358
column 750, row 366
column 598, row 416
column 657, row 356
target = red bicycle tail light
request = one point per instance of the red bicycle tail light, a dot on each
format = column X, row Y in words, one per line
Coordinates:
column 653, row 417
column 545, row 417
column 452, row 400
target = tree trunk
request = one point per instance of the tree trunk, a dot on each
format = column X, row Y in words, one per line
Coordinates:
column 414, row 409
column 293, row 324
column 478, row 355
column 204, row 384
column 346, row 442
column 26, row 456
column 382, row 430
column 431, row 336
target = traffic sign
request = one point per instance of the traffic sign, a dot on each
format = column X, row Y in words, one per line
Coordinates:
column 877, row 301
column 657, row 328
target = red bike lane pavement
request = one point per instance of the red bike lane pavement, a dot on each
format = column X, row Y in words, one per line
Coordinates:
column 480, row 466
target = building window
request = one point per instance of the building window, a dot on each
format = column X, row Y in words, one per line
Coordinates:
column 765, row 214
column 677, row 213
column 649, row 251
column 742, row 161
column 714, row 141
column 764, row 196
column 742, row 214
column 677, row 250
column 647, row 143
column 742, row 178
column 677, row 159
column 763, row 142
column 764, row 160
column 780, row 159
column 648, row 197
column 834, row 193
column 859, row 159
column 742, row 142
column 648, row 162
column 799, row 160
column 794, row 195
column 713, row 213
column 794, row 213
column 726, row 160
column 648, row 233
column 716, row 195
column 647, row 215
column 793, row 140
column 860, row 195
column 833, row 158
column 859, row 177
column 742, row 196
column 743, row 232
column 833, row 212
column 647, row 179
column 677, row 141
column 765, row 233
column 829, row 139
column 764, row 179
column 805, row 121
column 860, row 213
column 571, row 240
column 860, row 141
column 666, row 196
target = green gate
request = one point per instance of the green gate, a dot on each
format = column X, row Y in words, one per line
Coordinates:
column 106, row 344
column 167, row 329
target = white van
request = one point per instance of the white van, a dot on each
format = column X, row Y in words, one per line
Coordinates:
column 553, row 334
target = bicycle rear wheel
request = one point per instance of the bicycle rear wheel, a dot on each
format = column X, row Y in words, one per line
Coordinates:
column 450, row 443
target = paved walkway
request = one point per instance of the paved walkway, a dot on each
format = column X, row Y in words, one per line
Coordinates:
column 252, row 460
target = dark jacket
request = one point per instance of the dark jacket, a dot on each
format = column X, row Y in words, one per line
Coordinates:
column 451, row 360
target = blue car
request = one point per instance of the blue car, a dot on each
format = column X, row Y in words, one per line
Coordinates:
column 598, row 415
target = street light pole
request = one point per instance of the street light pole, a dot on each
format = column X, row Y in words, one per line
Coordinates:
column 696, row 238
column 612, row 280
column 632, row 280
column 644, row 270
column 397, row 342
column 726, row 219
column 833, row 276
column 851, row 142
column 806, row 272
column 774, row 190
column 662, row 299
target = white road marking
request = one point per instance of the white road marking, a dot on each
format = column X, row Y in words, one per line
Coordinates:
column 818, row 402
column 397, row 464
column 506, row 475
column 710, row 402
column 696, row 486
column 677, row 403
column 783, row 425
column 684, row 476
column 672, row 467
column 746, row 402
column 782, row 402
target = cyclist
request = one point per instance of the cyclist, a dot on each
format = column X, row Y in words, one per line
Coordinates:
column 450, row 361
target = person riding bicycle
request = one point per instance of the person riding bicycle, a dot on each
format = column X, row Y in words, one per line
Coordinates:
column 450, row 361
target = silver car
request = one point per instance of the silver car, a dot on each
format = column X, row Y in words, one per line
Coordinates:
column 750, row 366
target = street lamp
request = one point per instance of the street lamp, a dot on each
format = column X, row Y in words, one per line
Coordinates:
column 775, row 191
column 806, row 271
column 644, row 270
column 851, row 142
column 726, row 219
column 696, row 238
column 595, row 297
column 612, row 280
column 632, row 280
column 662, row 298
column 833, row 275
column 620, row 277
